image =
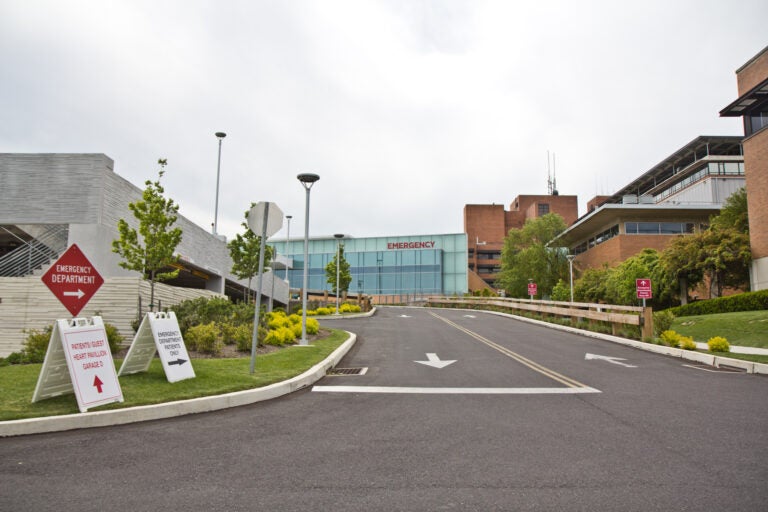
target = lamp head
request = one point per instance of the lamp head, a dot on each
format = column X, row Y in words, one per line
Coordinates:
column 221, row 135
column 308, row 178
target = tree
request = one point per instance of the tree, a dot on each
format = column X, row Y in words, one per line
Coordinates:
column 345, row 277
column 244, row 251
column 152, row 248
column 525, row 255
column 621, row 282
column 721, row 253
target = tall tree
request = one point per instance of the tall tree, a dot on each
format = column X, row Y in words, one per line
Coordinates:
column 150, row 249
column 525, row 256
column 345, row 277
column 244, row 251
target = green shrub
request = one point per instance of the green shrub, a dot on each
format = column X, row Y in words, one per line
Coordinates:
column 313, row 326
column 748, row 301
column 279, row 336
column 718, row 344
column 36, row 344
column 670, row 338
column 204, row 338
column 662, row 321
column 687, row 343
column 295, row 319
column 296, row 328
column 324, row 311
column 242, row 336
column 349, row 308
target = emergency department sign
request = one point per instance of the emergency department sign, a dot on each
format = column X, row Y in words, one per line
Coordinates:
column 73, row 280
column 159, row 332
column 78, row 360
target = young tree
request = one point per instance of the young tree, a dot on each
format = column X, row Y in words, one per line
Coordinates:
column 345, row 277
column 525, row 255
column 244, row 251
column 150, row 249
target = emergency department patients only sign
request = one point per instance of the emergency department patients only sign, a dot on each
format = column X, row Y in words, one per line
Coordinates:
column 159, row 332
column 78, row 359
column 73, row 280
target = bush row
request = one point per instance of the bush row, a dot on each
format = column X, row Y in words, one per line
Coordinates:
column 748, row 301
column 36, row 345
column 322, row 311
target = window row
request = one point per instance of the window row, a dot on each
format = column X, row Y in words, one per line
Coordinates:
column 658, row 228
column 712, row 169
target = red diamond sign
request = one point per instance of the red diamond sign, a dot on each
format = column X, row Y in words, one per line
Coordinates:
column 73, row 280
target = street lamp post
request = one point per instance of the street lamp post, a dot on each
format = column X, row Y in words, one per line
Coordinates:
column 220, row 136
column 570, row 258
column 307, row 180
column 338, row 266
column 287, row 244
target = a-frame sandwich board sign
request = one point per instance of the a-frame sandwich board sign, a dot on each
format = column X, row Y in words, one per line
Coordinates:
column 159, row 332
column 79, row 360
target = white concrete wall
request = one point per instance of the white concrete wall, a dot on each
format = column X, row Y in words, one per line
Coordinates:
column 26, row 303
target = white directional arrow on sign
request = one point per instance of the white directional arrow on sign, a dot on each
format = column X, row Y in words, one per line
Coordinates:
column 79, row 294
column 435, row 361
column 614, row 360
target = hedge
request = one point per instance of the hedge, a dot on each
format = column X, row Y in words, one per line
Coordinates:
column 748, row 301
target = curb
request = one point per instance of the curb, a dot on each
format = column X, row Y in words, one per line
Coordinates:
column 178, row 408
column 345, row 317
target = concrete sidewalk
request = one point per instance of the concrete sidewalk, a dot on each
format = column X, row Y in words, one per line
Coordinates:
column 739, row 350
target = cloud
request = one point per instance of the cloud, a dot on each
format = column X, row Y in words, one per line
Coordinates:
column 407, row 110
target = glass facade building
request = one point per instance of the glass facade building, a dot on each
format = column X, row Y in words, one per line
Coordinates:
column 403, row 265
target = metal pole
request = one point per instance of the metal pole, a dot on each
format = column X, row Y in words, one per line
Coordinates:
column 305, row 281
column 338, row 264
column 257, row 315
column 307, row 180
column 220, row 136
column 570, row 258
column 288, row 243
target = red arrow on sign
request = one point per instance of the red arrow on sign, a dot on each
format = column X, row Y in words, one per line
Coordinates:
column 73, row 280
column 97, row 383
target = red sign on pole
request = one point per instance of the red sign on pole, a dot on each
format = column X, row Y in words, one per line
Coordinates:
column 73, row 280
column 532, row 288
column 643, row 287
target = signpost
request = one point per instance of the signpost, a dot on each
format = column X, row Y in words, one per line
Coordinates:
column 643, row 288
column 81, row 346
column 532, row 289
column 159, row 332
column 73, row 280
column 265, row 218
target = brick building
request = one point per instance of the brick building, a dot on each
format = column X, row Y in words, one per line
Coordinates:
column 675, row 197
column 752, row 105
column 486, row 226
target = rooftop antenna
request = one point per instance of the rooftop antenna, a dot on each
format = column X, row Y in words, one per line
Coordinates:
column 551, row 176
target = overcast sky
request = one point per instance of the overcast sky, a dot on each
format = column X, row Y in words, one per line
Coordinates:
column 407, row 109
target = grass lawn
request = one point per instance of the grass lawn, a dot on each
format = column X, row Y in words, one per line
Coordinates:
column 213, row 377
column 746, row 328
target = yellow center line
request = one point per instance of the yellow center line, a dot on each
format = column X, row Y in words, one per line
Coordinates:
column 567, row 381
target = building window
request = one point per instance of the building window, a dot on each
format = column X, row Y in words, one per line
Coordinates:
column 658, row 228
column 543, row 208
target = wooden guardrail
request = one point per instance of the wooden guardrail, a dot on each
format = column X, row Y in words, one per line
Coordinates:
column 612, row 314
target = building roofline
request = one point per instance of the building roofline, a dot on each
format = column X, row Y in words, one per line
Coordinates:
column 753, row 59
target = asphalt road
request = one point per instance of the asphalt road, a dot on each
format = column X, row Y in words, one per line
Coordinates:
column 522, row 419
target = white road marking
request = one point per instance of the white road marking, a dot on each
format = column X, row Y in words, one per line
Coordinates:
column 453, row 391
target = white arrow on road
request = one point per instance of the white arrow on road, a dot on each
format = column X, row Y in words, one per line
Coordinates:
column 79, row 294
column 404, row 316
column 435, row 361
column 614, row 360
column 470, row 316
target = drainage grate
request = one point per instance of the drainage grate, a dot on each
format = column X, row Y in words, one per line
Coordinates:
column 347, row 371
